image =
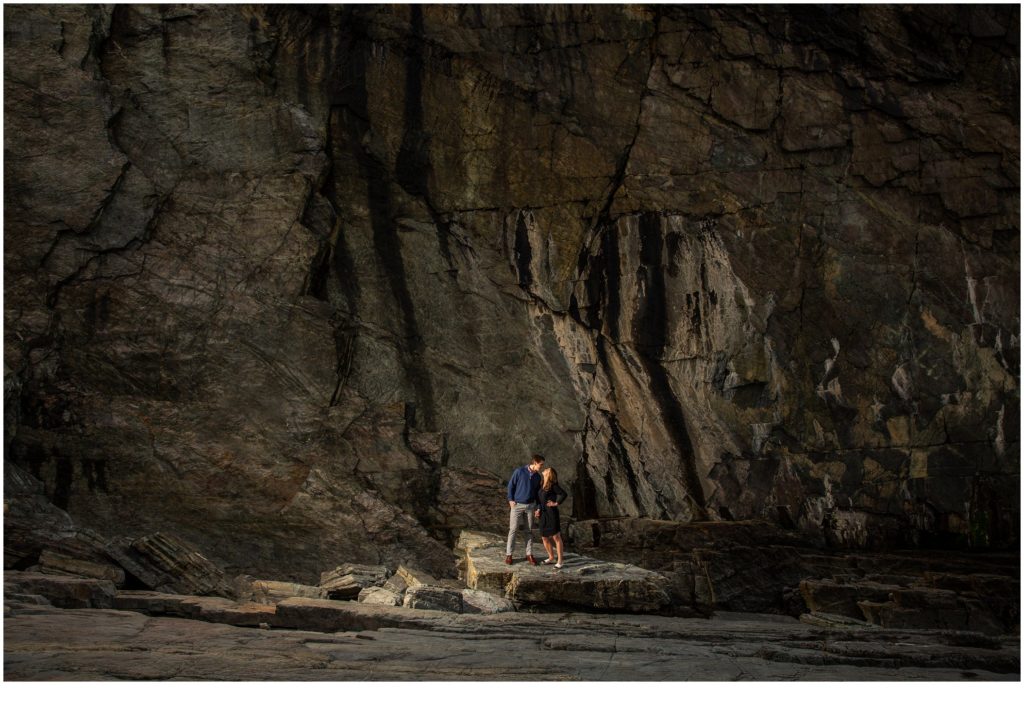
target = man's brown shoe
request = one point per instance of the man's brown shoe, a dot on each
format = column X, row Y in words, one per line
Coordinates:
column 508, row 559
column 529, row 558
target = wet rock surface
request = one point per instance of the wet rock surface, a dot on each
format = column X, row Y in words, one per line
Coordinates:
column 302, row 285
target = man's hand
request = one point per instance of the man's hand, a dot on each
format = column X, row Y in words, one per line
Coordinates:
column 511, row 504
column 537, row 513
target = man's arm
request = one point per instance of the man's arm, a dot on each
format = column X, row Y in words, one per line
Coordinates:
column 511, row 487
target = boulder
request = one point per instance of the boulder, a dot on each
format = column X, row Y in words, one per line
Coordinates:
column 346, row 581
column 396, row 583
column 265, row 591
column 476, row 601
column 61, row 590
column 167, row 563
column 54, row 561
column 380, row 596
column 414, row 577
column 432, row 598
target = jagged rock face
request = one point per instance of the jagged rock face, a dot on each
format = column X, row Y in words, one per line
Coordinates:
column 303, row 285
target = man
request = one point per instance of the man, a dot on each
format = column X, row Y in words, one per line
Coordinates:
column 522, row 500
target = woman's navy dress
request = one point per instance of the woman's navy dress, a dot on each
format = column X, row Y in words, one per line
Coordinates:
column 549, row 521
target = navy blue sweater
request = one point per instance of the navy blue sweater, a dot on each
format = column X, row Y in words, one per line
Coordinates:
column 522, row 487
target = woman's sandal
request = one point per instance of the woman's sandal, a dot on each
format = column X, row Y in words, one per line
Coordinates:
column 547, row 562
column 558, row 566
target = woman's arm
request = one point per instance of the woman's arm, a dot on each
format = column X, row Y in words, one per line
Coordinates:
column 562, row 495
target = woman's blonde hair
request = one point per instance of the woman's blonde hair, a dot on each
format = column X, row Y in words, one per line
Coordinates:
column 550, row 478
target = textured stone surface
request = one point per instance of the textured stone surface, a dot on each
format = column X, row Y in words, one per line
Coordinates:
column 266, row 591
column 380, row 596
column 303, row 284
column 346, row 581
column 431, row 598
column 61, row 590
column 756, row 566
column 58, row 562
column 476, row 601
column 43, row 643
column 167, row 563
column 583, row 582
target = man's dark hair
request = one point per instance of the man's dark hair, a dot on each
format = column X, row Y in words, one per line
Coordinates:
column 537, row 457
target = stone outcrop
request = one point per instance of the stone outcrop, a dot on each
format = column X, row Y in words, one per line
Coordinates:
column 756, row 566
column 166, row 563
column 346, row 581
column 303, row 284
column 61, row 590
column 59, row 561
column 583, row 581
column 909, row 602
column 264, row 591
column 431, row 598
column 476, row 601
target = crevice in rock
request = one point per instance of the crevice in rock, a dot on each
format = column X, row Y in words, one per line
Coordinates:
column 523, row 254
column 354, row 118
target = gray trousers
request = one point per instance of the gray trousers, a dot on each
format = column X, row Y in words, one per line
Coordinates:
column 514, row 514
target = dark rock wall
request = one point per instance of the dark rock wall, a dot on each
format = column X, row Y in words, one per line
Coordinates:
column 303, row 284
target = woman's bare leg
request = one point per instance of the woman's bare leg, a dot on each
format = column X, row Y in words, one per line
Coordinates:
column 547, row 547
column 558, row 543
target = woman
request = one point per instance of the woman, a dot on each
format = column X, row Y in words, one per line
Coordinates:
column 549, row 497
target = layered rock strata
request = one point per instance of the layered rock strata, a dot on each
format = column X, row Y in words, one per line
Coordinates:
column 45, row 643
column 303, row 284
column 582, row 581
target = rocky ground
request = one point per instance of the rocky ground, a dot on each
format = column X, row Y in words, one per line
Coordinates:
column 46, row 643
column 590, row 620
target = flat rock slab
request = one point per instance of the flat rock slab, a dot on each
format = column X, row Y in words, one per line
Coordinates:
column 265, row 591
column 45, row 643
column 211, row 609
column 64, row 591
column 329, row 615
column 582, row 581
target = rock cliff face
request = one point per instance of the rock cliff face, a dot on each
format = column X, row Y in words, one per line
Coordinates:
column 303, row 285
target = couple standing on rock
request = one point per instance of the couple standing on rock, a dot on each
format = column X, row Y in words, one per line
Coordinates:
column 534, row 492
